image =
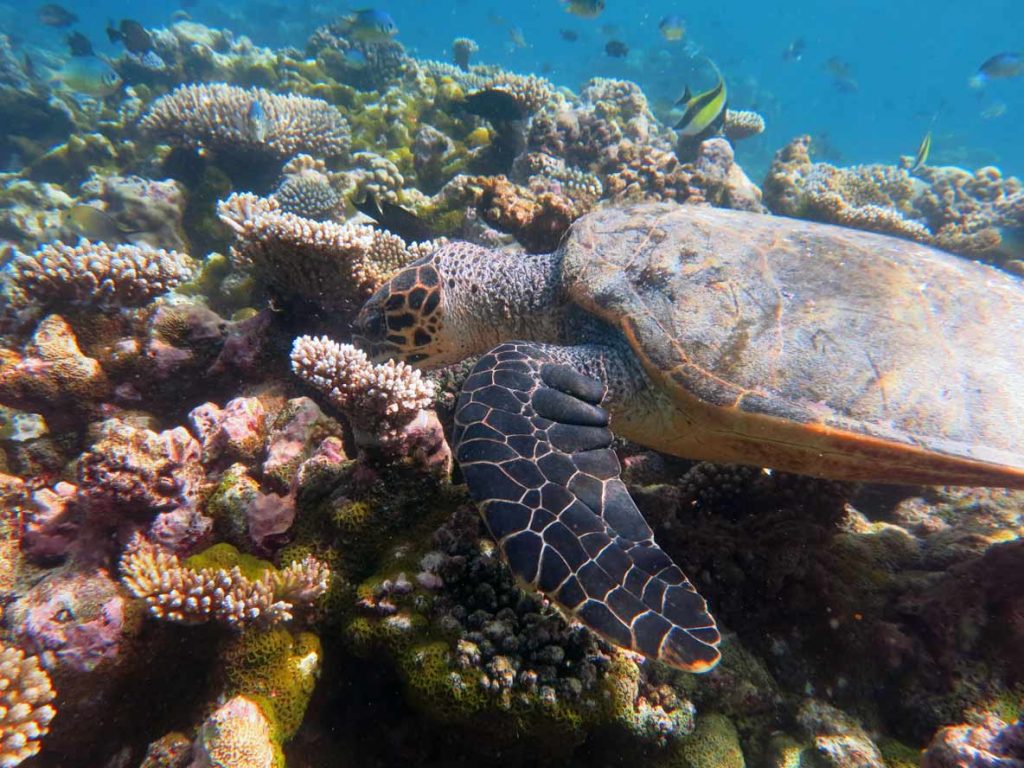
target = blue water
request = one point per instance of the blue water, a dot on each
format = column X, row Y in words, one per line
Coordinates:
column 911, row 61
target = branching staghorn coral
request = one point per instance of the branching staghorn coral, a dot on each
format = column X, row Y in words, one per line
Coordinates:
column 226, row 117
column 334, row 266
column 186, row 595
column 378, row 399
column 25, row 710
column 98, row 275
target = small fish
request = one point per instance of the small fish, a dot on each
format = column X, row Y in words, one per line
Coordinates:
column 703, row 113
column 370, row 26
column 516, row 38
column 188, row 3
column 132, row 35
column 795, row 50
column 585, row 9
column 1000, row 66
column 570, row 36
column 994, row 111
column 494, row 104
column 89, row 75
column 616, row 49
column 79, row 44
column 257, row 120
column 672, row 28
column 53, row 15
column 922, row 152
column 395, row 219
column 609, row 30
column 94, row 224
column 842, row 75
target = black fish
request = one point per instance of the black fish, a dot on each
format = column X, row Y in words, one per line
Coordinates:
column 395, row 219
column 570, row 36
column 53, row 15
column 79, row 44
column 132, row 35
column 616, row 49
column 494, row 104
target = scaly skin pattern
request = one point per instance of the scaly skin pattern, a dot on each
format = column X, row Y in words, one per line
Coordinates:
column 535, row 449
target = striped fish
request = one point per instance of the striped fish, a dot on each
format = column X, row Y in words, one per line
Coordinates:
column 704, row 113
column 922, row 152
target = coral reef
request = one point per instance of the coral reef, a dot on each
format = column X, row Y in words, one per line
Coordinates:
column 226, row 117
column 973, row 214
column 184, row 594
column 25, row 710
column 158, row 458
column 99, row 275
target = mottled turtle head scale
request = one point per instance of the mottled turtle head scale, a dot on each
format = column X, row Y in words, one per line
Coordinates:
column 461, row 300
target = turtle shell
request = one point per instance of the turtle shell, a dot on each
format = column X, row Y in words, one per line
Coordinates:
column 781, row 337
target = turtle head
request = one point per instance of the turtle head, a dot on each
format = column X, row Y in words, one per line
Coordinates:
column 459, row 301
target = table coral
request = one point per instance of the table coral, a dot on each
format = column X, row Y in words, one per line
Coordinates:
column 98, row 275
column 25, row 710
column 333, row 266
column 263, row 597
column 220, row 117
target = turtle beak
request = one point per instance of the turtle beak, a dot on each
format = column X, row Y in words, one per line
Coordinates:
column 370, row 329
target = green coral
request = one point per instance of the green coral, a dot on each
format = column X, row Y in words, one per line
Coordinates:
column 278, row 670
column 225, row 556
column 714, row 744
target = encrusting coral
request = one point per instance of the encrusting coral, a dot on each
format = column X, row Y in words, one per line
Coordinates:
column 379, row 399
column 179, row 593
column 96, row 274
column 25, row 710
column 226, row 117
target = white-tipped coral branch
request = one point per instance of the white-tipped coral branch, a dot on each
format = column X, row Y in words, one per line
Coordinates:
column 99, row 275
column 226, row 117
column 379, row 399
column 186, row 595
column 25, row 711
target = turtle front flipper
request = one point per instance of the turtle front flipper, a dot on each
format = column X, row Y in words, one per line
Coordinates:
column 534, row 446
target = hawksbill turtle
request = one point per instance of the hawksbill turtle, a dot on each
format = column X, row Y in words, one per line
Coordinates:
column 707, row 334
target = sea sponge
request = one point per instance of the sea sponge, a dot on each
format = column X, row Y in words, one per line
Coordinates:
column 226, row 117
column 25, row 710
column 263, row 596
column 378, row 399
column 98, row 275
